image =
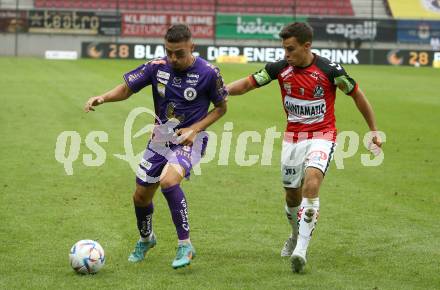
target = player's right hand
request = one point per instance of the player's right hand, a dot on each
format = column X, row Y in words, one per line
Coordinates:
column 93, row 102
column 375, row 144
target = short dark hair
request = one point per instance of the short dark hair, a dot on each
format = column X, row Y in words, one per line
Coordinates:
column 178, row 33
column 302, row 31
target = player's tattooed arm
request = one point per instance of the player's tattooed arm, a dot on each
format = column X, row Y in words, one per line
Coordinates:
column 119, row 93
column 188, row 135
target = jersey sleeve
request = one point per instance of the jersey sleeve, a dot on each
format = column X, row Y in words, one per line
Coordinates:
column 217, row 89
column 140, row 77
column 267, row 74
column 342, row 80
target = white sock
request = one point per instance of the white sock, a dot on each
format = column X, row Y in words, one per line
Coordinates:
column 147, row 239
column 308, row 218
column 182, row 242
column 292, row 218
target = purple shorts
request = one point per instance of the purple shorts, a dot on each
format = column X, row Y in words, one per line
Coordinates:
column 156, row 156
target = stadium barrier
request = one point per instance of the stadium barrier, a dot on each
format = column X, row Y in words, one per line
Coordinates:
column 141, row 51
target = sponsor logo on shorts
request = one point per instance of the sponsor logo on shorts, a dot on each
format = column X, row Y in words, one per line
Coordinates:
column 289, row 171
column 288, row 174
column 317, row 156
column 186, row 163
column 146, row 164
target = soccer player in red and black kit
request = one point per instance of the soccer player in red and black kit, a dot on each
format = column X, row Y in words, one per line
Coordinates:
column 308, row 85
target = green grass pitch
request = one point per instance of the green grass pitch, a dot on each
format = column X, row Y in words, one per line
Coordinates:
column 378, row 229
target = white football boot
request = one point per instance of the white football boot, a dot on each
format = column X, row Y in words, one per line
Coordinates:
column 298, row 262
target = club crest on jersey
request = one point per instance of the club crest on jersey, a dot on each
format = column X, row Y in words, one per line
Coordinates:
column 301, row 91
column 190, row 94
column 318, row 92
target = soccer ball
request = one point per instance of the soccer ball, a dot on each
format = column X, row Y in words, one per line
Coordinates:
column 87, row 257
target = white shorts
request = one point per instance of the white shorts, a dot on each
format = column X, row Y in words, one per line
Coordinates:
column 296, row 157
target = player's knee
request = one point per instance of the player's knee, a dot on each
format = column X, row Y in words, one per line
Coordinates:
column 292, row 192
column 140, row 199
column 171, row 175
column 137, row 199
column 167, row 182
column 293, row 196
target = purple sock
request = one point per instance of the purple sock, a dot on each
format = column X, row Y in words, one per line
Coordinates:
column 144, row 216
column 179, row 210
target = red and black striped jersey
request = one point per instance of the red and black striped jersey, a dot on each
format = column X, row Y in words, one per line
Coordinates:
column 308, row 95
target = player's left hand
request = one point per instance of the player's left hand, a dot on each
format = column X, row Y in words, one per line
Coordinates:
column 186, row 136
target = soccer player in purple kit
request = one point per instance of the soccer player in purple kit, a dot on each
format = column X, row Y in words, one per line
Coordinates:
column 183, row 87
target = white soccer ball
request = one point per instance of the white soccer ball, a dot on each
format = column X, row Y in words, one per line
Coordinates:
column 87, row 257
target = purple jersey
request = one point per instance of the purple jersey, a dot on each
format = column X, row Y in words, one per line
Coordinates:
column 182, row 95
